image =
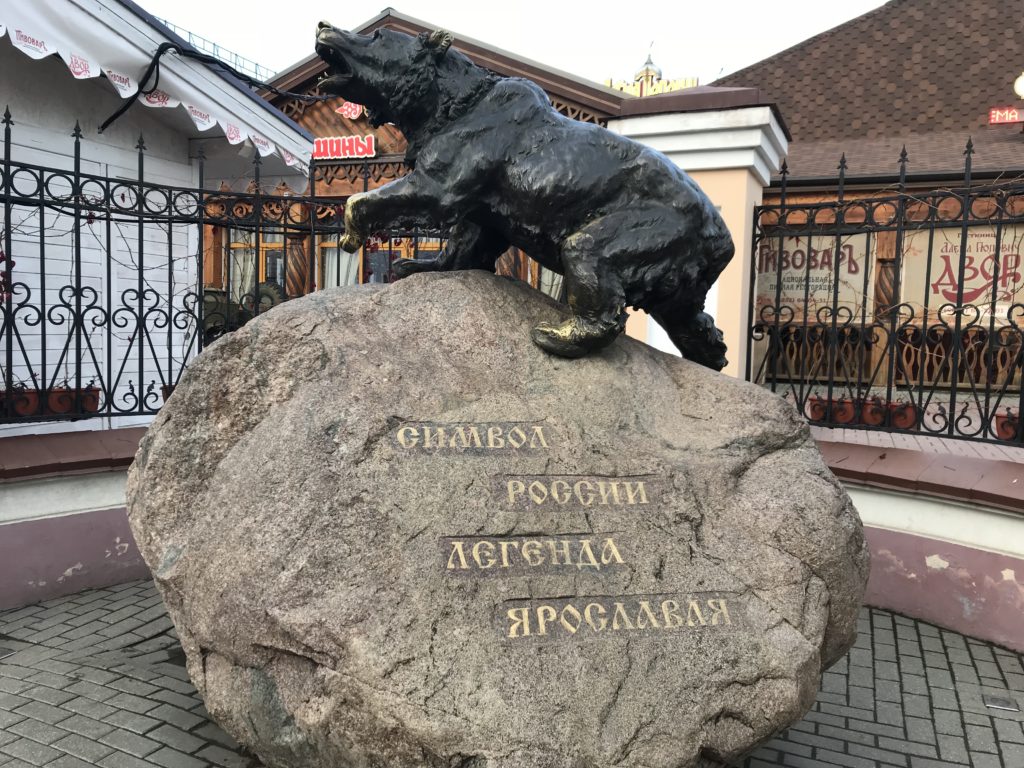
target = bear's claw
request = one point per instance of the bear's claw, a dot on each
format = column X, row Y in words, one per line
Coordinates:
column 575, row 337
column 351, row 243
column 405, row 267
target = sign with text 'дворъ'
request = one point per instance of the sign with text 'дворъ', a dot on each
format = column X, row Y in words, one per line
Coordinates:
column 989, row 266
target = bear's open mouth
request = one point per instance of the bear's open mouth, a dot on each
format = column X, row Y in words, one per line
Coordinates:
column 338, row 70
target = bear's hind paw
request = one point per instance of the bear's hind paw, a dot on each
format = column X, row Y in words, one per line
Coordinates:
column 575, row 337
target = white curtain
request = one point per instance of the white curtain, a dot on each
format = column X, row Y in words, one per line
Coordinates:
column 242, row 263
column 550, row 283
column 340, row 267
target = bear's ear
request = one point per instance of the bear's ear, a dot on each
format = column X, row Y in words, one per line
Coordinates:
column 439, row 40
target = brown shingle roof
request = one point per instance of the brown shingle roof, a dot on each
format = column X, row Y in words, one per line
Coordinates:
column 920, row 72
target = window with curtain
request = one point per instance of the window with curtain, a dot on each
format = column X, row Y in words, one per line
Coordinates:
column 243, row 268
column 337, row 267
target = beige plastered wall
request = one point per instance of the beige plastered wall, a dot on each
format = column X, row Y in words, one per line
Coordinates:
column 735, row 192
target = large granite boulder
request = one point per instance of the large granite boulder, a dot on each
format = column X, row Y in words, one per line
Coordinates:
column 391, row 531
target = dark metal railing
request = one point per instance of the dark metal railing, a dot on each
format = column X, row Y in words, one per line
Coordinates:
column 899, row 311
column 110, row 286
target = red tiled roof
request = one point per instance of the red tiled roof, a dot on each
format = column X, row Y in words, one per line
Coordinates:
column 920, row 72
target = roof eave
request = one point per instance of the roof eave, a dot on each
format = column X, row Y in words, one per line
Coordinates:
column 606, row 101
column 237, row 86
column 703, row 99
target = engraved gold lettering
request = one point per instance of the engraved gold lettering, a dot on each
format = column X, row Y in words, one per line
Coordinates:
column 486, row 560
column 565, row 490
column 584, row 491
column 609, row 552
column 720, row 611
column 588, row 615
column 408, row 437
column 560, row 546
column 465, row 438
column 620, row 611
column 515, row 488
column 469, row 436
column 457, row 550
column 545, row 615
column 516, row 437
column 609, row 490
column 636, row 493
column 538, row 492
column 531, row 550
column 646, row 615
column 522, row 621
column 572, row 613
column 504, row 555
column 556, row 618
column 585, row 550
column 560, row 491
column 439, row 434
column 670, row 613
column 504, row 551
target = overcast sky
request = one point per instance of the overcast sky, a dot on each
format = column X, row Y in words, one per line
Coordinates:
column 594, row 39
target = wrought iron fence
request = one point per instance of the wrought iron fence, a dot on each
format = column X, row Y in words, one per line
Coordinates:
column 899, row 311
column 109, row 286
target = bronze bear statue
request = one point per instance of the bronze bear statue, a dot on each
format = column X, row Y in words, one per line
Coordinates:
column 497, row 166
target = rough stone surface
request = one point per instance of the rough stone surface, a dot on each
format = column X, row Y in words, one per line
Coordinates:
column 308, row 563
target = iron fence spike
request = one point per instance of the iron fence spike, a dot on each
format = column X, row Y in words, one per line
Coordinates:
column 7, row 116
column 77, row 132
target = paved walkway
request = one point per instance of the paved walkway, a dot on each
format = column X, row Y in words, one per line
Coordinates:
column 917, row 441
column 97, row 679
column 910, row 694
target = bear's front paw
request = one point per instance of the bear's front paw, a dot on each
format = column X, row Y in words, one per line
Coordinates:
column 351, row 242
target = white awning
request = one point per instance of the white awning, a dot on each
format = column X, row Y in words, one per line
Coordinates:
column 99, row 37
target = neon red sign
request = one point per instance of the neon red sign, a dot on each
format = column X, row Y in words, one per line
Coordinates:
column 1000, row 115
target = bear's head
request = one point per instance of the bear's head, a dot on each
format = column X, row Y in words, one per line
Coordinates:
column 392, row 74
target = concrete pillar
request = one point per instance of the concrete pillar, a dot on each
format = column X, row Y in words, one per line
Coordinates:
column 731, row 154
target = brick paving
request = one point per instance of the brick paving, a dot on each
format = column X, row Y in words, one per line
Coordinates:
column 98, row 679
column 912, row 695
